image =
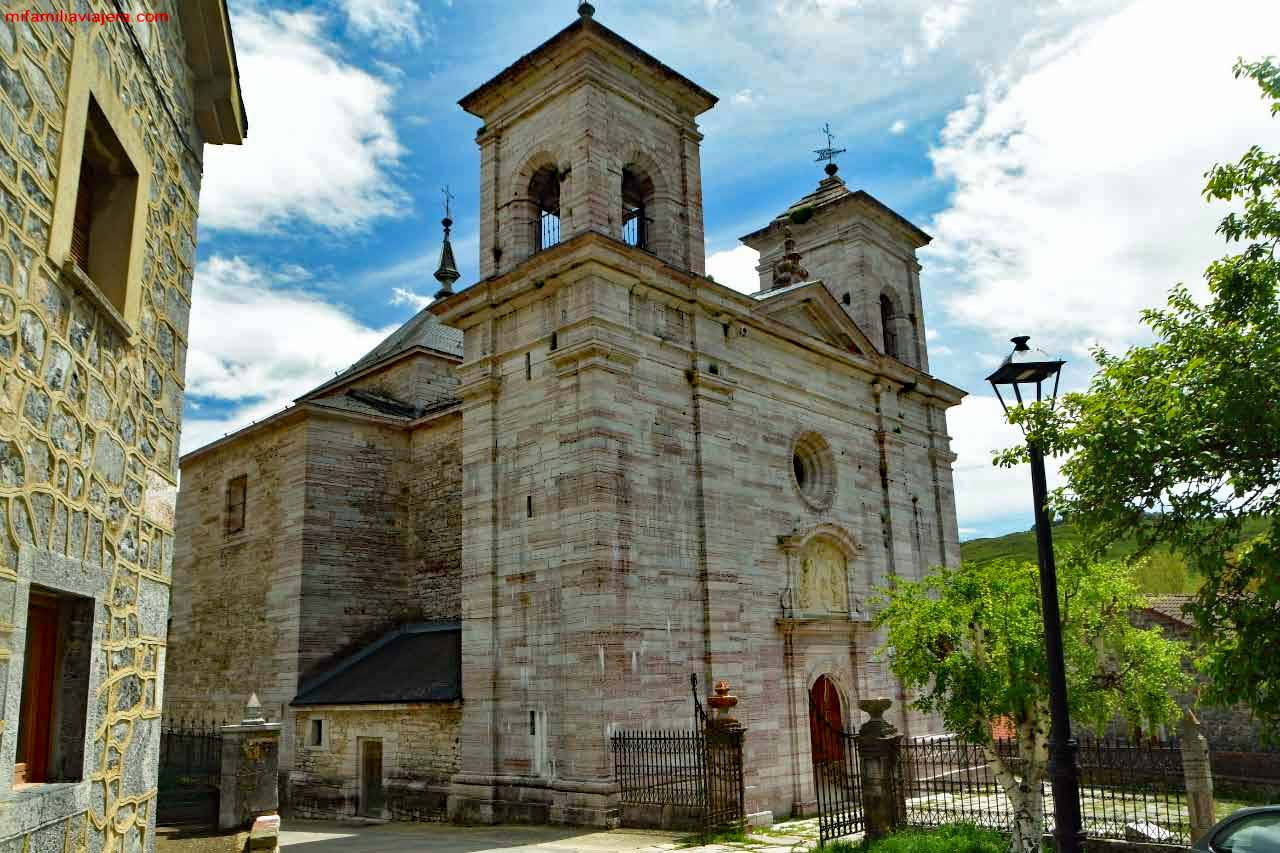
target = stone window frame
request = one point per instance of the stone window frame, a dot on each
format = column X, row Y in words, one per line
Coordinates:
column 231, row 523
column 812, row 469
column 25, row 809
column 323, row 745
column 86, row 80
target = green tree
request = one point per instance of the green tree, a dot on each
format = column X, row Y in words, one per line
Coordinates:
column 970, row 642
column 1177, row 443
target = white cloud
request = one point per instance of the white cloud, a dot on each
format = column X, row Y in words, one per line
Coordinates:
column 745, row 97
column 898, row 127
column 388, row 23
column 1078, row 171
column 938, row 22
column 321, row 146
column 735, row 268
column 400, row 296
column 258, row 342
column 985, row 493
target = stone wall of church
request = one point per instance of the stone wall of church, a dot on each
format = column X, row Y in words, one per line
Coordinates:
column 355, row 584
column 89, row 417
column 434, row 536
column 588, row 136
column 859, row 257
column 419, row 746
column 648, row 526
column 222, row 648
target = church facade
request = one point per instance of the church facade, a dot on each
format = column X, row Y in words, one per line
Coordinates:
column 527, row 517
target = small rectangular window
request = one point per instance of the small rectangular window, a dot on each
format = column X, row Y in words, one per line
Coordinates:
column 106, row 198
column 57, row 662
column 528, row 506
column 528, row 366
column 554, row 341
column 533, row 722
column 316, row 733
column 237, row 496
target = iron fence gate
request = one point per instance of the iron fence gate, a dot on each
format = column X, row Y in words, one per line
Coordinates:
column 190, row 772
column 681, row 778
column 837, row 776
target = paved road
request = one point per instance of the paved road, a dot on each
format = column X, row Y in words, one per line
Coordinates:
column 330, row 837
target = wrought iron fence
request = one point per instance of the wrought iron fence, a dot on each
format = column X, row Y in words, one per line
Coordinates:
column 692, row 777
column 837, row 777
column 945, row 780
column 190, row 772
column 660, row 767
column 1133, row 788
column 1128, row 789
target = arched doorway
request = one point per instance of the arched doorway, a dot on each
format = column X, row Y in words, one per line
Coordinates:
column 826, row 721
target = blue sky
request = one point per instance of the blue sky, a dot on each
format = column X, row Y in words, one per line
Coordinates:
column 1053, row 148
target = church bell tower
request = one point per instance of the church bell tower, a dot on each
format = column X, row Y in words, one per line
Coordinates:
column 589, row 133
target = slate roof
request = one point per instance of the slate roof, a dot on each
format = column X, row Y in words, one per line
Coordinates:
column 833, row 190
column 422, row 330
column 420, row 662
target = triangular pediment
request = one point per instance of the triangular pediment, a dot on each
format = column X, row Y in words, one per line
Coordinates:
column 810, row 308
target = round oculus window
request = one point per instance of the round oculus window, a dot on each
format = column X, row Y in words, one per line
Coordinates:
column 813, row 470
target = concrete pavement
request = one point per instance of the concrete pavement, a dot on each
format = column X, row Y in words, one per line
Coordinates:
column 336, row 837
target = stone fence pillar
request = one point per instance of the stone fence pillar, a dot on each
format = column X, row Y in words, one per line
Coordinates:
column 1198, row 775
column 725, row 771
column 250, row 781
column 884, row 805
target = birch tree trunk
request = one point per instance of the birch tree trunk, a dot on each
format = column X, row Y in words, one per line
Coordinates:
column 1025, row 790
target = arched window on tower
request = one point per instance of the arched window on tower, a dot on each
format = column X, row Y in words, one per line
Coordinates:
column 637, row 194
column 544, row 193
column 888, row 322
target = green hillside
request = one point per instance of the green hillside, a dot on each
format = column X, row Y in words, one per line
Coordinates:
column 1163, row 573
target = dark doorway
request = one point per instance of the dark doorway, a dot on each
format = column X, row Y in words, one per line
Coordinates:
column 371, row 796
column 825, row 720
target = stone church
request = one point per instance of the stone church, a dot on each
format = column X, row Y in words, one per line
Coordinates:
column 525, row 518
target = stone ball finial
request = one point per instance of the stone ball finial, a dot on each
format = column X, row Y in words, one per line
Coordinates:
column 586, row 10
column 831, row 169
column 447, row 223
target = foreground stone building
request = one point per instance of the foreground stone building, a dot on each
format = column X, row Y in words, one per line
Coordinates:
column 102, row 128
column 524, row 519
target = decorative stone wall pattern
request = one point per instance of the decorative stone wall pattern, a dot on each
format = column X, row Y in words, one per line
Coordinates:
column 89, row 421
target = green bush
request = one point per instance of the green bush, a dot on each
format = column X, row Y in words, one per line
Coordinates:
column 957, row 838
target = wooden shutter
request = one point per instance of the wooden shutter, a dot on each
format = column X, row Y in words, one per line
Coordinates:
column 83, row 217
column 38, row 677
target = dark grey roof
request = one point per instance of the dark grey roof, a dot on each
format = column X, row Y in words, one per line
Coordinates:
column 832, row 190
column 421, row 662
column 422, row 330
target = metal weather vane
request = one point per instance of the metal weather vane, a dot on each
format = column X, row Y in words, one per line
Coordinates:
column 830, row 152
column 448, row 201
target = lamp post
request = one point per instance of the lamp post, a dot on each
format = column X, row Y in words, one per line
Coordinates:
column 1026, row 368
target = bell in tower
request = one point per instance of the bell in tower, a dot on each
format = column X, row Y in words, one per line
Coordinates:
column 589, row 133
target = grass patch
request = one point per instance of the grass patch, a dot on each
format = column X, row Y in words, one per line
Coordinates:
column 728, row 835
column 956, row 838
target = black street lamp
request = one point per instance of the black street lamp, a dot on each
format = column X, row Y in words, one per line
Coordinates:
column 1026, row 368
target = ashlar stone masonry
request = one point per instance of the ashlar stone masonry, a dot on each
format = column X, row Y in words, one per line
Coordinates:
column 597, row 472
